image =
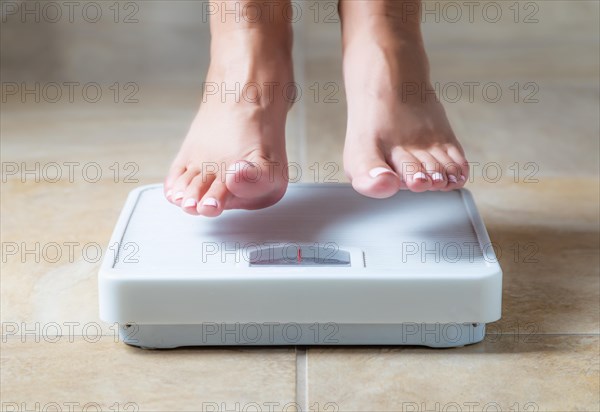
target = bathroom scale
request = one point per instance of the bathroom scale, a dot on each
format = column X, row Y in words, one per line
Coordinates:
column 323, row 266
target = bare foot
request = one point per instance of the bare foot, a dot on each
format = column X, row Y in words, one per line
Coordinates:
column 234, row 154
column 398, row 135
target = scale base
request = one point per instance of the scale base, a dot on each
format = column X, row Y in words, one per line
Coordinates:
column 323, row 266
column 435, row 335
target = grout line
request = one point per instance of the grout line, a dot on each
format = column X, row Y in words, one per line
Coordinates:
column 302, row 378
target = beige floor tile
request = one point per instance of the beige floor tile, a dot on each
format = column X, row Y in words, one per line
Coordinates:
column 547, row 238
column 83, row 372
column 53, row 244
column 542, row 373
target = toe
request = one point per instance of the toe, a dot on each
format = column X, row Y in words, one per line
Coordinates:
column 214, row 200
column 450, row 168
column 194, row 192
column 181, row 184
column 379, row 182
column 251, row 180
column 457, row 155
column 413, row 173
column 372, row 176
column 433, row 168
column 175, row 172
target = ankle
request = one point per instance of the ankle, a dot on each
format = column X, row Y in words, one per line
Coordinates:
column 260, row 78
column 249, row 24
column 386, row 36
column 397, row 21
column 277, row 38
column 250, row 48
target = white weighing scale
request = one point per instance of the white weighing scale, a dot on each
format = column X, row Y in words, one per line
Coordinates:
column 324, row 266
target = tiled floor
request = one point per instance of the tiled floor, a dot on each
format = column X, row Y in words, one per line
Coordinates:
column 542, row 214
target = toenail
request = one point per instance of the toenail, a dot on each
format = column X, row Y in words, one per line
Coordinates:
column 437, row 177
column 189, row 203
column 420, row 176
column 178, row 196
column 378, row 171
column 211, row 201
column 452, row 179
column 463, row 178
column 169, row 193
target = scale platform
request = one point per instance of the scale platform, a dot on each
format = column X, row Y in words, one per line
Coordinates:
column 324, row 266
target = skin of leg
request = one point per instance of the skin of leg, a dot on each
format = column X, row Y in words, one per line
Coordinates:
column 234, row 153
column 398, row 135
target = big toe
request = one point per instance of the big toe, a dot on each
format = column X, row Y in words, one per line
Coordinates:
column 214, row 200
column 252, row 180
column 371, row 175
